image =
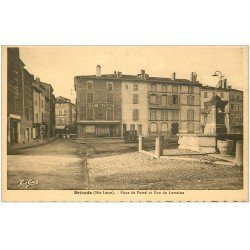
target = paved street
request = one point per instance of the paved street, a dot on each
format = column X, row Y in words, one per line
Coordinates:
column 113, row 164
column 55, row 165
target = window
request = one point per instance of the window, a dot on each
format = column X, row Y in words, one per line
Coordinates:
column 65, row 112
column 153, row 87
column 126, row 86
column 60, row 112
column 205, row 94
column 190, row 128
column 42, row 103
column 175, row 115
column 110, row 97
column 132, row 127
column 153, row 99
column 109, row 86
column 175, row 89
column 90, row 114
column 90, row 129
column 164, row 127
column 135, row 98
column 164, row 115
column 135, row 87
column 190, row 115
column 175, row 99
column 42, row 117
column 90, row 85
column 238, row 97
column 222, row 95
column 135, row 115
column 124, row 128
column 110, row 114
column 190, row 100
column 36, row 102
column 153, row 115
column 164, row 88
column 90, row 97
column 190, row 89
column 153, row 127
column 232, row 106
column 139, row 128
column 164, row 100
column 27, row 113
column 37, row 117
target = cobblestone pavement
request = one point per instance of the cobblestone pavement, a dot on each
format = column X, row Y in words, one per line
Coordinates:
column 139, row 171
column 55, row 165
column 112, row 164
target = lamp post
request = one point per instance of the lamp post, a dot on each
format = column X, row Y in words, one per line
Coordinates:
column 219, row 74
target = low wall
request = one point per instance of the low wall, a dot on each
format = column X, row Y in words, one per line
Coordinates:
column 198, row 142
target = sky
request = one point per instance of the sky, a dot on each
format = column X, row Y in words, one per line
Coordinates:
column 58, row 65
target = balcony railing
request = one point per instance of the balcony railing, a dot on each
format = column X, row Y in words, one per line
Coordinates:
column 161, row 106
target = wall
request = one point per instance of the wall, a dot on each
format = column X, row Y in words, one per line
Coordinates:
column 128, row 106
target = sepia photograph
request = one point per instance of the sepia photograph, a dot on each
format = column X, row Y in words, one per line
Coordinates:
column 126, row 120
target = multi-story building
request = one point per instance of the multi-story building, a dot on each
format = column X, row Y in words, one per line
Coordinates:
column 64, row 116
column 234, row 108
column 27, row 118
column 149, row 105
column 38, row 109
column 49, row 117
column 98, row 105
column 20, row 99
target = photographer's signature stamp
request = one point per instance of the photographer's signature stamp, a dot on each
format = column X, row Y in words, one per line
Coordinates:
column 27, row 183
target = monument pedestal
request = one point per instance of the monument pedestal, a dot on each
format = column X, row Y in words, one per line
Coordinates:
column 203, row 143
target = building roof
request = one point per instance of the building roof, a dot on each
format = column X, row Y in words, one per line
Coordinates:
column 61, row 99
column 137, row 78
column 219, row 89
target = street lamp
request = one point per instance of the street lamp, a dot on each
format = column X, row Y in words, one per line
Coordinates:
column 218, row 74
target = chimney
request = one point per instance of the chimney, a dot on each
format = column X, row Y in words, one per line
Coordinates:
column 229, row 86
column 142, row 74
column 37, row 79
column 173, row 76
column 193, row 77
column 225, row 83
column 119, row 74
column 98, row 70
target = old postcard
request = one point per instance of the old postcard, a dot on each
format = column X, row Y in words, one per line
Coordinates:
column 125, row 123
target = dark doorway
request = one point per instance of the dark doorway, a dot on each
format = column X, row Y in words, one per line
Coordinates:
column 13, row 132
column 175, row 128
column 111, row 130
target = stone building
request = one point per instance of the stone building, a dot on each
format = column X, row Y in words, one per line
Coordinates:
column 174, row 105
column 234, row 108
column 64, row 116
column 98, row 105
column 109, row 105
column 49, row 118
column 27, row 118
column 15, row 68
column 38, row 109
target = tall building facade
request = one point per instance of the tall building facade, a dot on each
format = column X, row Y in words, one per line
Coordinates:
column 15, row 68
column 109, row 105
column 233, row 110
column 26, row 103
column 49, row 117
column 64, row 116
column 98, row 105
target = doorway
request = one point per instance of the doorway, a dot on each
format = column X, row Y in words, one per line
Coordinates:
column 175, row 128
